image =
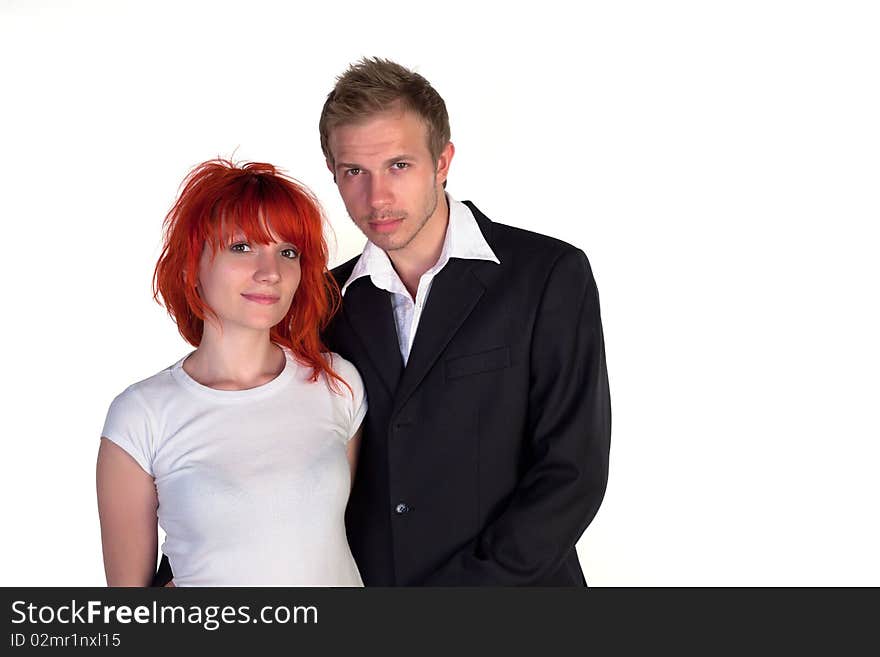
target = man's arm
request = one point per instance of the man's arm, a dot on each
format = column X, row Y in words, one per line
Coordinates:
column 569, row 430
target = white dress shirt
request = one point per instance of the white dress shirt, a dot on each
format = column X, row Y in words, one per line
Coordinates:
column 463, row 240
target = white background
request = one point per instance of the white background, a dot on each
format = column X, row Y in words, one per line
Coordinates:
column 717, row 161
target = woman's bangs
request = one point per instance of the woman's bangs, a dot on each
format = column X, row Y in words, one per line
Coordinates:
column 257, row 220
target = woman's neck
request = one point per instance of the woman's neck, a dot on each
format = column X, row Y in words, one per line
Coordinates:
column 234, row 360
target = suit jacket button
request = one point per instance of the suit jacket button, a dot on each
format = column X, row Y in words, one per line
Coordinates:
column 401, row 508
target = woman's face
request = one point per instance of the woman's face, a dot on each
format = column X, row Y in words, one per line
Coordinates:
column 249, row 285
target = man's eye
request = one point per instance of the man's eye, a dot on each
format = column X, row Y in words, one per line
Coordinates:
column 293, row 254
column 401, row 165
column 352, row 172
column 240, row 247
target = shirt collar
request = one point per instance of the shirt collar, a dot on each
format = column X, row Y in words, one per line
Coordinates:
column 463, row 240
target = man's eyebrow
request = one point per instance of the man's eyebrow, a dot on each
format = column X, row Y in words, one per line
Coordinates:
column 388, row 162
column 398, row 158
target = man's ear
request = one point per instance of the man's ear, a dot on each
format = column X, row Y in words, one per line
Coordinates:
column 443, row 162
column 330, row 168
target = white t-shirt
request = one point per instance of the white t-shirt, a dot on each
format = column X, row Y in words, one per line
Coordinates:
column 252, row 484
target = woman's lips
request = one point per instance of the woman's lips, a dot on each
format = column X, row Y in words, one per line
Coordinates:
column 265, row 299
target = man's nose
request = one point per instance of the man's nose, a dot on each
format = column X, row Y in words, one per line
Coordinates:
column 380, row 192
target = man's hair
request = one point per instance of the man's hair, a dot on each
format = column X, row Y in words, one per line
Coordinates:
column 219, row 199
column 375, row 85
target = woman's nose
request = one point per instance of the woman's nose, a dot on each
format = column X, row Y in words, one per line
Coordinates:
column 267, row 268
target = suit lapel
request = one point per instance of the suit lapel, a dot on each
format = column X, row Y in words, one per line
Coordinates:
column 369, row 311
column 454, row 293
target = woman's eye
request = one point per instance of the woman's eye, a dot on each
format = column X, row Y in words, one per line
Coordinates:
column 240, row 247
column 290, row 253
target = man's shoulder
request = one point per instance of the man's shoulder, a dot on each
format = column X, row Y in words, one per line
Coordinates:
column 520, row 239
column 343, row 271
column 514, row 242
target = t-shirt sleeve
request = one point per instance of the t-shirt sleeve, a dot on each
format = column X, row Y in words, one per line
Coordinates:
column 128, row 425
column 355, row 404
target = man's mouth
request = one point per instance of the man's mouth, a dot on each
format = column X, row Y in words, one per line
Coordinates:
column 385, row 225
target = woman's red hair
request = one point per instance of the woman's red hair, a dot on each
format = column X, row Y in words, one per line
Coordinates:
column 219, row 198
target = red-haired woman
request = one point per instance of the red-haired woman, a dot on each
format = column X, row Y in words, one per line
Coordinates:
column 244, row 450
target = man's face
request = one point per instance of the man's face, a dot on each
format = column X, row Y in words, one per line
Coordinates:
column 388, row 180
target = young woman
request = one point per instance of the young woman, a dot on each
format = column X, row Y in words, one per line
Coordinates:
column 244, row 450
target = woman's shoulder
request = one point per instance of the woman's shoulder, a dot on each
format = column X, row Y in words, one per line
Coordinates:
column 150, row 390
column 345, row 369
column 352, row 402
column 341, row 365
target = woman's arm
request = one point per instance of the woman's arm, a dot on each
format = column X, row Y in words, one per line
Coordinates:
column 352, row 449
column 127, row 504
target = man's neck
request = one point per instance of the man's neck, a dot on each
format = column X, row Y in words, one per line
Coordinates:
column 424, row 251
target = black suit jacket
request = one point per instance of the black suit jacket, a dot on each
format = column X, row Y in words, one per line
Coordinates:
column 484, row 460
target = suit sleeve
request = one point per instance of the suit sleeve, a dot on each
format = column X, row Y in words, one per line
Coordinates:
column 568, row 430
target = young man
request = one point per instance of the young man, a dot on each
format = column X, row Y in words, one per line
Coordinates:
column 485, row 448
column 484, row 453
